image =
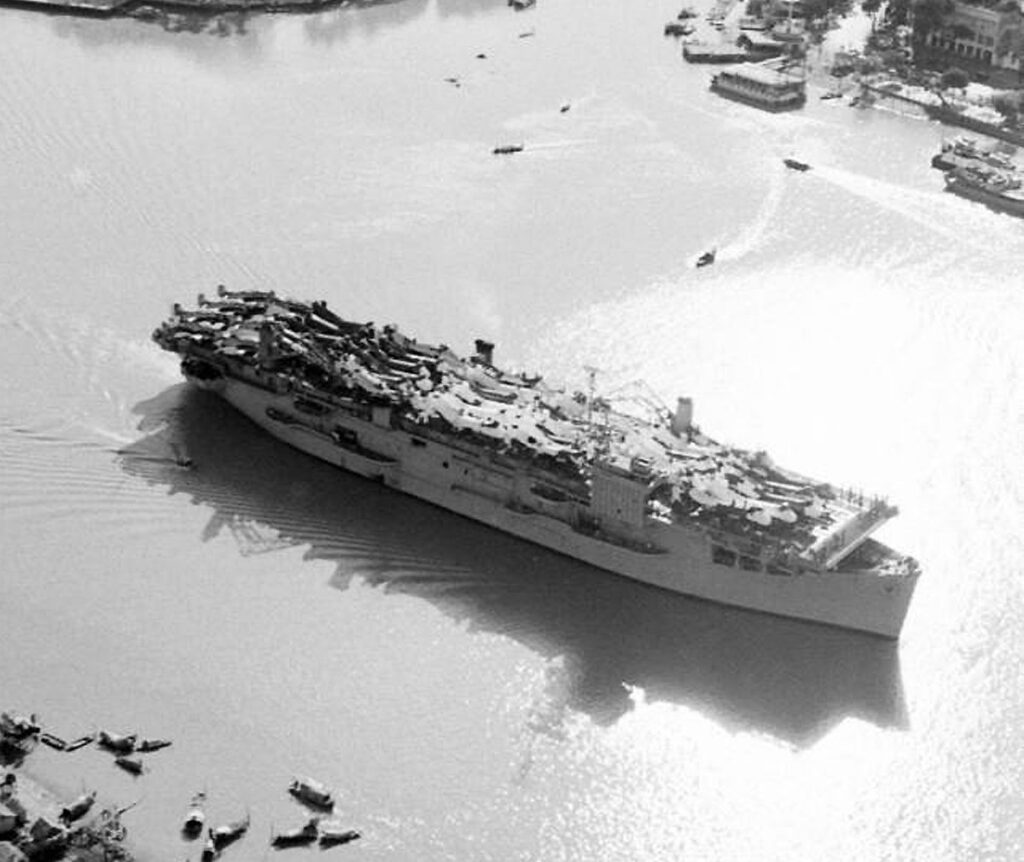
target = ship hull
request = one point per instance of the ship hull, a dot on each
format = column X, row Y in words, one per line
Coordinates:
column 676, row 558
column 773, row 105
column 993, row 200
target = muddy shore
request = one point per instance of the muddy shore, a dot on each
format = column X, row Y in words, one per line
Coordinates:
column 97, row 835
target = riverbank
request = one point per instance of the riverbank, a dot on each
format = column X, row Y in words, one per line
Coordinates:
column 148, row 10
column 44, row 828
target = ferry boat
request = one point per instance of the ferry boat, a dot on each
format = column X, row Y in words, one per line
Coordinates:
column 762, row 86
column 646, row 495
column 998, row 189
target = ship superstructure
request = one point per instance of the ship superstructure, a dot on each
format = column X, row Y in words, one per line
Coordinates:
column 647, row 496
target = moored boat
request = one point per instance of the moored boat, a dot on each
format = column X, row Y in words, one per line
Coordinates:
column 118, row 743
column 965, row 152
column 311, row 792
column 762, row 86
column 332, row 832
column 702, row 52
column 195, row 818
column 78, row 808
column 132, row 765
column 222, row 836
column 305, row 834
column 999, row 190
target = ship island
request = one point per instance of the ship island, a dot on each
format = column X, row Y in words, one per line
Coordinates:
column 643, row 493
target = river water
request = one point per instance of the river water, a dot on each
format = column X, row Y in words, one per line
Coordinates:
column 469, row 696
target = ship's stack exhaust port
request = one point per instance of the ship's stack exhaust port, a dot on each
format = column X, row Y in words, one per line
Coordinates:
column 682, row 419
column 484, row 351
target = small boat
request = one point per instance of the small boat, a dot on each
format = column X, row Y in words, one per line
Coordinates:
column 312, row 793
column 77, row 809
column 129, row 764
column 117, row 742
column 305, row 834
column 152, row 744
column 81, row 742
column 507, row 149
column 706, row 259
column 794, row 165
column 229, row 833
column 55, row 742
column 332, row 833
column 196, row 817
column 675, row 28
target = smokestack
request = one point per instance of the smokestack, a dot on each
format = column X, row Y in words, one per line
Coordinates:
column 265, row 353
column 484, row 351
column 682, row 419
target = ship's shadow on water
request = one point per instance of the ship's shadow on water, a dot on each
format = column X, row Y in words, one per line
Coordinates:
column 747, row 671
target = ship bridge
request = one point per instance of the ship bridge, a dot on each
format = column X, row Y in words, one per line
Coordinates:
column 620, row 488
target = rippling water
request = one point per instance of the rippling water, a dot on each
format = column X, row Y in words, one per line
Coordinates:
column 472, row 697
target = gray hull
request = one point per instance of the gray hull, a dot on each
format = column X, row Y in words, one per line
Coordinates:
column 674, row 557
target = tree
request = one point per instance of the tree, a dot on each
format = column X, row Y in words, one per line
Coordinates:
column 1011, row 44
column 929, row 15
column 1008, row 105
column 871, row 7
column 954, row 79
column 897, row 13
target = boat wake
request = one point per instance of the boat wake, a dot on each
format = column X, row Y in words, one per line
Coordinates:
column 925, row 209
column 757, row 234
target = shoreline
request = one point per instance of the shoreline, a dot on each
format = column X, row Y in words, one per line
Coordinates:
column 100, row 835
column 150, row 10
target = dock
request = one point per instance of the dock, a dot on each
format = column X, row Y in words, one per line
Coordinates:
column 948, row 114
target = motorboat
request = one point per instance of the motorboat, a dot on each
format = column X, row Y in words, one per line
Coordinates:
column 195, row 819
column 312, row 793
column 118, row 743
column 706, row 259
column 305, row 834
column 78, row 808
column 129, row 764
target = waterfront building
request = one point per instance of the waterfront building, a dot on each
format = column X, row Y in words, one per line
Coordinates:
column 981, row 33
